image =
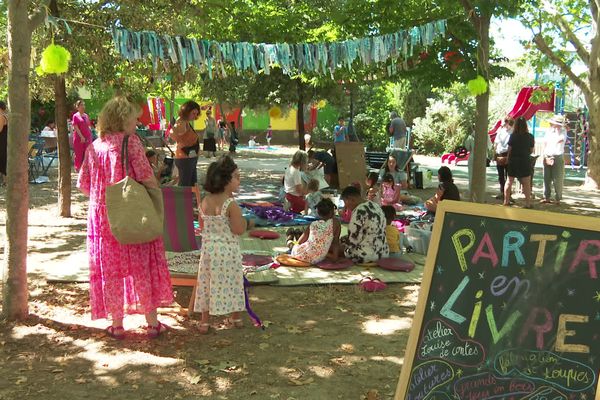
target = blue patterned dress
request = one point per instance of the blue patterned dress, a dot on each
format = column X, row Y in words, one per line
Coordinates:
column 220, row 289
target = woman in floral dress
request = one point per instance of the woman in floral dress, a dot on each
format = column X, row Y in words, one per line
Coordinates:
column 124, row 279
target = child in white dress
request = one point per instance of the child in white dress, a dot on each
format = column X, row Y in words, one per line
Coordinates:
column 220, row 286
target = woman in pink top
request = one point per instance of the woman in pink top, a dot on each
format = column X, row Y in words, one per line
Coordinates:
column 124, row 279
column 82, row 134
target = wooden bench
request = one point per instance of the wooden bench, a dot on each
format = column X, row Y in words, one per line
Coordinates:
column 375, row 159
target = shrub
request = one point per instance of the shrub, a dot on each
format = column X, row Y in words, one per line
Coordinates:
column 448, row 119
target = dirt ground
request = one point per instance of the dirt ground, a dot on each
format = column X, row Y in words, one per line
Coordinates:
column 325, row 342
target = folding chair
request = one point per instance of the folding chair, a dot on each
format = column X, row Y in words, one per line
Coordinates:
column 179, row 234
column 35, row 157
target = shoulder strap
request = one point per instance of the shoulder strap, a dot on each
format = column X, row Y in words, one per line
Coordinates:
column 125, row 155
column 225, row 205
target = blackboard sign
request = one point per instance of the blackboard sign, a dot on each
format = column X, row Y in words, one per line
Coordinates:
column 509, row 307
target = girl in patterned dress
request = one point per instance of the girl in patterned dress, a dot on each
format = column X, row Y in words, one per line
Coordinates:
column 321, row 236
column 220, row 286
column 390, row 193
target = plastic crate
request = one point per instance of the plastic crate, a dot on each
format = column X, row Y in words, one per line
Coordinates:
column 418, row 239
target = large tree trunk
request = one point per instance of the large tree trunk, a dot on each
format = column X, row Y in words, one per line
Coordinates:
column 300, row 116
column 478, row 179
column 17, row 195
column 592, row 177
column 64, row 149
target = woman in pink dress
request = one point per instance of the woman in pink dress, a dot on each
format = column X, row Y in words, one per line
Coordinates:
column 82, row 134
column 124, row 279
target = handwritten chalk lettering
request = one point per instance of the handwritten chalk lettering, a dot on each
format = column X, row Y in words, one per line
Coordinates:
column 562, row 333
column 512, row 243
column 562, row 250
column 506, row 328
column 546, row 367
column 440, row 340
column 591, row 257
column 425, row 378
column 447, row 311
column 543, row 239
column 488, row 386
column 490, row 254
column 452, row 315
column 461, row 248
column 463, row 240
column 540, row 328
column 546, row 393
column 501, row 284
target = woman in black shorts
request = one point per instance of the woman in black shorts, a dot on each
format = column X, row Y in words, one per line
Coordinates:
column 520, row 147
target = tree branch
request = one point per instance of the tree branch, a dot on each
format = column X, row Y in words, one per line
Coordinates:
column 470, row 10
column 547, row 51
column 563, row 25
column 39, row 15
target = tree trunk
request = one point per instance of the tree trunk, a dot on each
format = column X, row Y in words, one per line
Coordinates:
column 478, row 179
column 64, row 151
column 17, row 195
column 592, row 177
column 300, row 116
column 61, row 113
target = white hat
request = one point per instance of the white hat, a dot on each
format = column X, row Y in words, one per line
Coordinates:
column 557, row 120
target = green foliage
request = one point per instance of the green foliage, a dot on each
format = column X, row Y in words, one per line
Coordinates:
column 447, row 121
column 373, row 107
column 411, row 96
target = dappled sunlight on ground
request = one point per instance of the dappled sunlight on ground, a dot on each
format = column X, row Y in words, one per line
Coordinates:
column 386, row 326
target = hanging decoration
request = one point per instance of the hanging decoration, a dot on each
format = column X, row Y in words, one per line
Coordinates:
column 275, row 112
column 320, row 58
column 477, row 86
column 321, row 104
column 55, row 60
column 453, row 59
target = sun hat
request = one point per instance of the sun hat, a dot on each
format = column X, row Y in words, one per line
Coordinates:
column 557, row 120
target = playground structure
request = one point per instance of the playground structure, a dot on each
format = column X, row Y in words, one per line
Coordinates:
column 522, row 108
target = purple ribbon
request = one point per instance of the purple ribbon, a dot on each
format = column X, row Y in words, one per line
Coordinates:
column 255, row 319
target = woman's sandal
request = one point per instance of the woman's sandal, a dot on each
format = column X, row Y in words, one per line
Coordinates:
column 116, row 332
column 155, row 331
column 204, row 328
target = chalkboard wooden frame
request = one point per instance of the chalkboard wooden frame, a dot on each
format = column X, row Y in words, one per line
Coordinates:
column 472, row 209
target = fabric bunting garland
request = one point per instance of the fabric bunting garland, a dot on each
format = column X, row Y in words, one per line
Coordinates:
column 321, row 58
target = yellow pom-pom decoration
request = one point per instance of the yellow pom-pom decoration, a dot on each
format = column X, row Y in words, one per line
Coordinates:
column 275, row 112
column 55, row 60
column 321, row 104
column 477, row 86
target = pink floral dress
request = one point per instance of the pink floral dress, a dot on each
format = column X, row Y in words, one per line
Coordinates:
column 319, row 241
column 131, row 278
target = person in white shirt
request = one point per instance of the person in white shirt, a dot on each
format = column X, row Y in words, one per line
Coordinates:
column 49, row 130
column 554, row 162
column 501, row 152
column 295, row 190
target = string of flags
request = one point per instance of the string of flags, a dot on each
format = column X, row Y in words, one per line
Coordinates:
column 210, row 56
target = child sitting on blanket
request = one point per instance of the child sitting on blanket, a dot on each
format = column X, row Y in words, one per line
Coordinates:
column 390, row 192
column 313, row 198
column 220, row 286
column 321, row 238
column 392, row 235
column 373, row 188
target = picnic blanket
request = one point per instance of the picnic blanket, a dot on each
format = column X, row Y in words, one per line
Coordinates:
column 75, row 267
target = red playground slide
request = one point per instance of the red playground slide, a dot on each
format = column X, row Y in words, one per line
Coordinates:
column 523, row 108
